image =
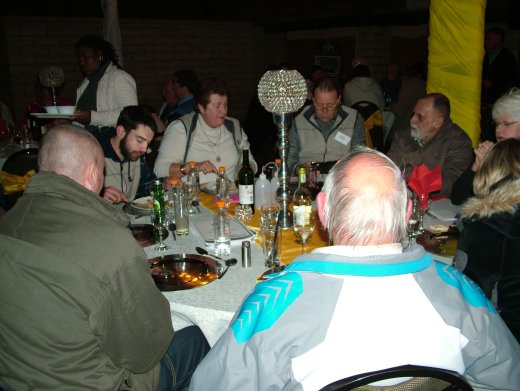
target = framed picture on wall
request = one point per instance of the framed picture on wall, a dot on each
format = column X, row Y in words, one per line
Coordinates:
column 330, row 63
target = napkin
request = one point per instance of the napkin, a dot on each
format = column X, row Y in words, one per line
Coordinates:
column 424, row 181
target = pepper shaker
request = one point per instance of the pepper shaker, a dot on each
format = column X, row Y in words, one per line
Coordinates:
column 246, row 254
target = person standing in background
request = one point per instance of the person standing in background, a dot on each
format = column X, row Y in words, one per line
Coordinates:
column 106, row 88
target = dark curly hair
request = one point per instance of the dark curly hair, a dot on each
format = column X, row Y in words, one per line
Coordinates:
column 95, row 42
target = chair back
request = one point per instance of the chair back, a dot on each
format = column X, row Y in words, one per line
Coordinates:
column 19, row 163
column 373, row 121
column 420, row 379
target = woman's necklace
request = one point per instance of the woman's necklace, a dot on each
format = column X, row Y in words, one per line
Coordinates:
column 214, row 144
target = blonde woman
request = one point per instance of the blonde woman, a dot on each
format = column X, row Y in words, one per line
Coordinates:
column 489, row 244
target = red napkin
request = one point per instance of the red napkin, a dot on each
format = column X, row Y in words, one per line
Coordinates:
column 424, row 181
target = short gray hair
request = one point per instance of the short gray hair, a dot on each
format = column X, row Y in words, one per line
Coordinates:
column 508, row 105
column 67, row 150
column 354, row 217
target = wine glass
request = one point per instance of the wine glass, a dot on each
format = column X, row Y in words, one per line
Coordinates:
column 423, row 204
column 160, row 224
column 303, row 226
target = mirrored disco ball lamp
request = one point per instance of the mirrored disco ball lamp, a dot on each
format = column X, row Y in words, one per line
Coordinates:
column 283, row 93
column 52, row 77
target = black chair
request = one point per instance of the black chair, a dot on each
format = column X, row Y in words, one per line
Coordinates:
column 19, row 163
column 422, row 378
column 367, row 109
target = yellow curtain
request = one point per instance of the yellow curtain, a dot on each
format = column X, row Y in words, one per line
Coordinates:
column 455, row 55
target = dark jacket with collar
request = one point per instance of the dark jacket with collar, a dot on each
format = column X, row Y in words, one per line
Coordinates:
column 450, row 148
column 79, row 310
column 490, row 245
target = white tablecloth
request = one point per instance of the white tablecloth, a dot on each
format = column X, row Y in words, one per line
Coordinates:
column 211, row 306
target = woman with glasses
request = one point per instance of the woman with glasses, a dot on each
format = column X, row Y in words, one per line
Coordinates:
column 506, row 115
column 324, row 131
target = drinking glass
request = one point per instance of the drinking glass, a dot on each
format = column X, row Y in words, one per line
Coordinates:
column 303, row 226
column 192, row 188
column 268, row 224
column 160, row 225
column 182, row 213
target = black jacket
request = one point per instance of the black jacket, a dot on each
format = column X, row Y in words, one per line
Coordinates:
column 490, row 243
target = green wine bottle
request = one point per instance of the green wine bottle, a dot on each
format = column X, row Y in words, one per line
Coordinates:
column 246, row 182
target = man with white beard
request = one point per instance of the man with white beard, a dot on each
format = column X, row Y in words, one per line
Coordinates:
column 434, row 140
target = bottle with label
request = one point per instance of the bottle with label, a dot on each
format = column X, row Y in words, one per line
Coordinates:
column 262, row 191
column 222, row 186
column 221, row 230
column 302, row 205
column 246, row 181
column 158, row 214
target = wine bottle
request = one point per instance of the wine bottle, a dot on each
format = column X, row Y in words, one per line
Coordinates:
column 246, row 181
column 302, row 205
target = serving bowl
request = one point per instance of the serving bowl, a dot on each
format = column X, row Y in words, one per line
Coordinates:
column 51, row 109
column 66, row 109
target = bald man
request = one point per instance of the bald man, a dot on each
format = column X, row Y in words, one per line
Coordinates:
column 78, row 309
column 363, row 304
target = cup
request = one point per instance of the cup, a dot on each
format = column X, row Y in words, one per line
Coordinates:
column 182, row 214
column 268, row 224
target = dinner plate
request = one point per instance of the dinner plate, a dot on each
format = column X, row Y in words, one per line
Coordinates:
column 440, row 243
column 211, row 188
column 177, row 272
column 52, row 116
column 145, row 234
column 143, row 204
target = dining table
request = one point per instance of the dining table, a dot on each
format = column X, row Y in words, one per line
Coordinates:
column 212, row 306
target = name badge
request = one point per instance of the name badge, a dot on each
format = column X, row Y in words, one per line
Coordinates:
column 342, row 138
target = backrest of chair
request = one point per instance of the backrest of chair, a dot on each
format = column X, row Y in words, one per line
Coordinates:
column 19, row 163
column 365, row 108
column 422, row 378
column 22, row 161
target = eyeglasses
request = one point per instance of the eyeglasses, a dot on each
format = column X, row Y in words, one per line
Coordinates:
column 329, row 107
column 505, row 124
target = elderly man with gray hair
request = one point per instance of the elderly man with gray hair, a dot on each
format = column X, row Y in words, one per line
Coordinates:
column 78, row 308
column 363, row 304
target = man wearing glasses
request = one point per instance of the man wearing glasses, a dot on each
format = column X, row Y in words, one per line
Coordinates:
column 324, row 131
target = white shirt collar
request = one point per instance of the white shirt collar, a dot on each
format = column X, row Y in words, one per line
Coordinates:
column 362, row 251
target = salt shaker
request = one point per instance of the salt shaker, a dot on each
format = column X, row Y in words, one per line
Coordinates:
column 246, row 254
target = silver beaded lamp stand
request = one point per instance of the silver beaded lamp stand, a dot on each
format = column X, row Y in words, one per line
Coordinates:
column 283, row 93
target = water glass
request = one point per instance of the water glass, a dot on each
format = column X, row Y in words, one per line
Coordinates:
column 182, row 213
column 268, row 224
column 159, row 222
column 303, row 226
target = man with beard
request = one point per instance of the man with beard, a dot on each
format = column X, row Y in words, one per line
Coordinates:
column 127, row 174
column 433, row 140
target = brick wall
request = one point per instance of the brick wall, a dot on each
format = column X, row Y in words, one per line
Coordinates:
column 152, row 51
column 236, row 52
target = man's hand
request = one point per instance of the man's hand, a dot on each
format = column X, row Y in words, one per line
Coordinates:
column 113, row 195
column 480, row 154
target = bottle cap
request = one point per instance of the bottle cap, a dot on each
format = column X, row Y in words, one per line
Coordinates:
column 222, row 169
column 192, row 164
column 246, row 254
column 174, row 181
column 221, row 204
